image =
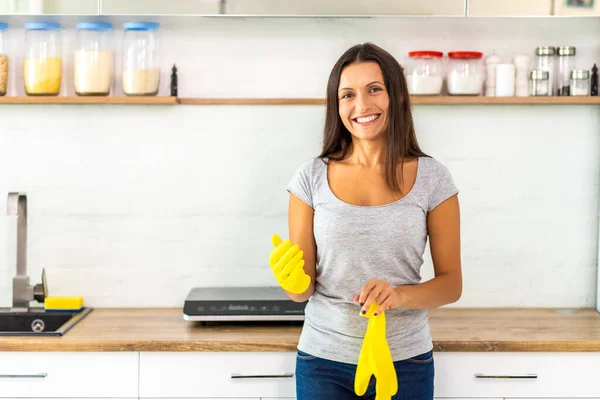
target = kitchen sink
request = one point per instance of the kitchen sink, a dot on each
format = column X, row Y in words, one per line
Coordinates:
column 39, row 322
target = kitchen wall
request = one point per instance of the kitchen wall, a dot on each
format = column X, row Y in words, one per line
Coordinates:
column 132, row 206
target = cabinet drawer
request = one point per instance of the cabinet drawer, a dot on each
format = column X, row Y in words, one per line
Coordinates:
column 516, row 375
column 218, row 374
column 26, row 374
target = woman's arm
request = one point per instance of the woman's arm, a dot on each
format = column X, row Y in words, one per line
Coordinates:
column 300, row 223
column 443, row 225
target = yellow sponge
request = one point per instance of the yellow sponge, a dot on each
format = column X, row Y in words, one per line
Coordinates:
column 63, row 303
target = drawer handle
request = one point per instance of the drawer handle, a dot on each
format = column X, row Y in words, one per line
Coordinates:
column 526, row 376
column 34, row 376
column 266, row 376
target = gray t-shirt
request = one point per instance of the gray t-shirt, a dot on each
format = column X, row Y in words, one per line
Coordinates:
column 358, row 243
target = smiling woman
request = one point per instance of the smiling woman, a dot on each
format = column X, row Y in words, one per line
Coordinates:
column 364, row 84
column 359, row 217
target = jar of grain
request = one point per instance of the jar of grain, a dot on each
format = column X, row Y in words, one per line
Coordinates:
column 141, row 69
column 93, row 63
column 423, row 72
column 42, row 64
column 3, row 62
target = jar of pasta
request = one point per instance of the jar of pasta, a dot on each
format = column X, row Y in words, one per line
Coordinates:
column 42, row 63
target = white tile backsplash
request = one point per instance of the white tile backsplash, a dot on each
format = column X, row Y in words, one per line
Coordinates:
column 134, row 205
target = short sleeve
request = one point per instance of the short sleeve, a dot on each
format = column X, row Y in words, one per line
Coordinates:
column 442, row 185
column 301, row 183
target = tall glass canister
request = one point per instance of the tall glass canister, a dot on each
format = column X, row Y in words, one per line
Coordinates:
column 42, row 62
column 3, row 61
column 93, row 61
column 141, row 68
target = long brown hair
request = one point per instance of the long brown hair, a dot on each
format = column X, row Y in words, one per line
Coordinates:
column 402, row 139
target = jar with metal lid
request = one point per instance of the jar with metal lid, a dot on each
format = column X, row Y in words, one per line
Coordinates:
column 580, row 82
column 141, row 69
column 93, row 63
column 539, row 83
column 566, row 63
column 3, row 61
column 423, row 72
column 466, row 73
column 42, row 63
column 545, row 62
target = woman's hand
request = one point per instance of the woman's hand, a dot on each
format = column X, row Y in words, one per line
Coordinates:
column 382, row 293
column 288, row 266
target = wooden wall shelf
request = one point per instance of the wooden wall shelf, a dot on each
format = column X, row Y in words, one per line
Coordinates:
column 88, row 100
column 165, row 100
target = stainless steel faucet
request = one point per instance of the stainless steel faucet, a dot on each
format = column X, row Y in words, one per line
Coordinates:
column 23, row 292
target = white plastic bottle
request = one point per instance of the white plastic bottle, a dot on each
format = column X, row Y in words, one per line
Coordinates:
column 490, row 74
column 522, row 67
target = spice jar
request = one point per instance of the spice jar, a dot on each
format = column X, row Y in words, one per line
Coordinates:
column 580, row 82
column 545, row 62
column 539, row 83
column 93, row 63
column 141, row 69
column 465, row 73
column 566, row 63
column 3, row 62
column 42, row 64
column 424, row 72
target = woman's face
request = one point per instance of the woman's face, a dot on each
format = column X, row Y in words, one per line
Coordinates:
column 363, row 100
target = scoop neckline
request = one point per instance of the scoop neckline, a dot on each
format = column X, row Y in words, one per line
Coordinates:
column 417, row 180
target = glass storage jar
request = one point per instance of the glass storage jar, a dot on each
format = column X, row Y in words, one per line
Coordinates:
column 465, row 73
column 424, row 74
column 141, row 68
column 580, row 82
column 566, row 63
column 42, row 63
column 93, row 62
column 539, row 83
column 3, row 61
column 545, row 62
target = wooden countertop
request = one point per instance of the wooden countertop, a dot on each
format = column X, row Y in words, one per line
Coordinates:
column 453, row 329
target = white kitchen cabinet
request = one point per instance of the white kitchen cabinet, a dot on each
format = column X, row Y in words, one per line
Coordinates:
column 217, row 374
column 517, row 375
column 68, row 374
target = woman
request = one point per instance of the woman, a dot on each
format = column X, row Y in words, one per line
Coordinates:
column 360, row 214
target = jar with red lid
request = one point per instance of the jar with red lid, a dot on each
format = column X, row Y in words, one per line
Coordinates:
column 424, row 73
column 466, row 73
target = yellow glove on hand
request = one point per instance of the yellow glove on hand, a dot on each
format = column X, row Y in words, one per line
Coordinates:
column 376, row 359
column 287, row 264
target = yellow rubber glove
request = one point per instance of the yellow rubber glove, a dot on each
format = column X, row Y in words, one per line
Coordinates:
column 287, row 264
column 376, row 359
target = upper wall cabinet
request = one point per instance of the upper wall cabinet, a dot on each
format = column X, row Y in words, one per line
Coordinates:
column 49, row 7
column 345, row 7
column 161, row 7
column 532, row 8
column 501, row 8
column 284, row 7
column 583, row 8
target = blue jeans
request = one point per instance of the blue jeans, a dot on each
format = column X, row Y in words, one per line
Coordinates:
column 320, row 379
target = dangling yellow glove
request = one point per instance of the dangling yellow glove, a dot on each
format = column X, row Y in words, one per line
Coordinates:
column 287, row 264
column 376, row 359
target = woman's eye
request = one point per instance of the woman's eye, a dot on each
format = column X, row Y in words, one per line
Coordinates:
column 346, row 95
column 376, row 89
